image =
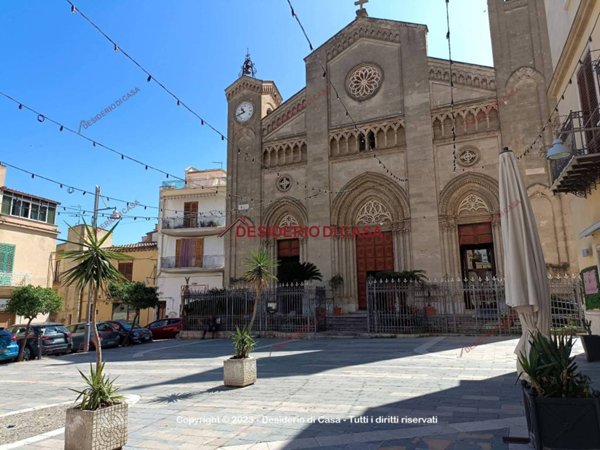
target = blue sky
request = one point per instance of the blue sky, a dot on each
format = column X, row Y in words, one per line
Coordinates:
column 55, row 62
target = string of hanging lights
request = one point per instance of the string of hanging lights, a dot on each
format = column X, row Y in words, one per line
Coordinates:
column 181, row 102
column 451, row 62
column 548, row 123
column 41, row 118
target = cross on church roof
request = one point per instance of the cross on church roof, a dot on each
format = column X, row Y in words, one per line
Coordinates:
column 361, row 12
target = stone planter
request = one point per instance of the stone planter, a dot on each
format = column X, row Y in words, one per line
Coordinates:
column 103, row 429
column 591, row 345
column 239, row 372
column 562, row 423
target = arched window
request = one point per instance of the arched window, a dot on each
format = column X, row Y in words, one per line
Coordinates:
column 373, row 213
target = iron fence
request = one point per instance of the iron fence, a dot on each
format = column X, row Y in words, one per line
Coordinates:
column 463, row 306
column 286, row 308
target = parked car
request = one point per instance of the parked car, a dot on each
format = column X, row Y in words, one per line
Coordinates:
column 165, row 328
column 109, row 337
column 137, row 335
column 54, row 337
column 9, row 349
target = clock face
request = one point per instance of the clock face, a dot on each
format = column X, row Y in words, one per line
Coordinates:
column 244, row 112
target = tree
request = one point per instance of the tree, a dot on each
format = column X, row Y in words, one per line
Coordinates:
column 259, row 273
column 295, row 272
column 93, row 269
column 135, row 295
column 28, row 302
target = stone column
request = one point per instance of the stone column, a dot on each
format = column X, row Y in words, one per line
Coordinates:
column 422, row 186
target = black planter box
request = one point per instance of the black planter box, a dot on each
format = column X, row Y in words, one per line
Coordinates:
column 562, row 423
column 591, row 345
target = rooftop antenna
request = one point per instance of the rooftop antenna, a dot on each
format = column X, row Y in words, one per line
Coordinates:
column 220, row 163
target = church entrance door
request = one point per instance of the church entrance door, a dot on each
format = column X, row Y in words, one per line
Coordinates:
column 372, row 255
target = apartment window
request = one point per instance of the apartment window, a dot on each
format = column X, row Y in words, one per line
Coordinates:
column 28, row 207
column 189, row 253
column 589, row 103
column 190, row 214
column 126, row 269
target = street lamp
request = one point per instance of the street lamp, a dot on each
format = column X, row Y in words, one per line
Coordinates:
column 116, row 215
column 558, row 150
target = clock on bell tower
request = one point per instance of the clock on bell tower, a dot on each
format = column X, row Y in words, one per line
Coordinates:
column 249, row 100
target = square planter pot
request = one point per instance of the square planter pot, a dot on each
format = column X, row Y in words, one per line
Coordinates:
column 562, row 423
column 103, row 429
column 591, row 345
column 239, row 372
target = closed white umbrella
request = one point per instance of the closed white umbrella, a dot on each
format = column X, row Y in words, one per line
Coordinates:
column 526, row 281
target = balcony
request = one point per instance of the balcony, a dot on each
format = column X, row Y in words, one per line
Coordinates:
column 579, row 173
column 202, row 224
column 183, row 264
column 15, row 279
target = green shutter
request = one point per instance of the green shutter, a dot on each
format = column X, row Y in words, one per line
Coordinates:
column 51, row 215
column 7, row 257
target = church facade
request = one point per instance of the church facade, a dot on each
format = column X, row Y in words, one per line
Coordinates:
column 369, row 142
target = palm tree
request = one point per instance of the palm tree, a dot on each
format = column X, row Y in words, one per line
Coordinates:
column 259, row 274
column 296, row 272
column 93, row 269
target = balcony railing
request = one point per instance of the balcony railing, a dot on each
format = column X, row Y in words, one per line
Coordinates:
column 193, row 184
column 15, row 279
column 199, row 221
column 204, row 262
column 579, row 172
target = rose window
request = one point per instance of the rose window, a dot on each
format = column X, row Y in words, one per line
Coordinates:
column 364, row 81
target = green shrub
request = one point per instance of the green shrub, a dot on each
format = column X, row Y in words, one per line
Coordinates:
column 100, row 391
column 243, row 343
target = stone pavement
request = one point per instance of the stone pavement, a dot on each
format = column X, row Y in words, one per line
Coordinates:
column 322, row 393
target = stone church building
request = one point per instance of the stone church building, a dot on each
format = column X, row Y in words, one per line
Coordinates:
column 383, row 153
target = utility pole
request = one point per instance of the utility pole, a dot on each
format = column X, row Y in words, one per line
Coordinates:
column 88, row 316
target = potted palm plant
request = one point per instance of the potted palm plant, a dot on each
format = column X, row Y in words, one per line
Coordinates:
column 561, row 408
column 99, row 422
column 335, row 283
column 240, row 370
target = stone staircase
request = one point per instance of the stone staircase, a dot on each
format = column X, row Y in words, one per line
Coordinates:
column 347, row 324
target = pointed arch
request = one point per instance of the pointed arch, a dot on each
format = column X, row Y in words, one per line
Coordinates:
column 460, row 187
column 363, row 188
column 286, row 206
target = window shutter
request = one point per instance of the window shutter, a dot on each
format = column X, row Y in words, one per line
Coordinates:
column 7, row 257
column 589, row 103
column 199, row 253
column 178, row 247
column 126, row 270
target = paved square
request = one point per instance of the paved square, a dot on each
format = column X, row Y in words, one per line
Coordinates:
column 322, row 393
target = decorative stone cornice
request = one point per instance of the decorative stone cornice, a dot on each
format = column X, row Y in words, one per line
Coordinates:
column 464, row 74
column 284, row 113
column 253, row 85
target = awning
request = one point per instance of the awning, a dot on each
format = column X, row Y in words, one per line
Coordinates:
column 590, row 230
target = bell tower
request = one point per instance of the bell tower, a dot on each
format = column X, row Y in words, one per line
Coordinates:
column 523, row 64
column 249, row 100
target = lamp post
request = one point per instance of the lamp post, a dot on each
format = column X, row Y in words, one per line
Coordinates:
column 116, row 216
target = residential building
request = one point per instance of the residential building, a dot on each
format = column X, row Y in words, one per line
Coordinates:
column 192, row 214
column 385, row 136
column 28, row 235
column 574, row 87
column 140, row 266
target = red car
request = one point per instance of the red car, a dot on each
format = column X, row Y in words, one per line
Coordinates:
column 165, row 328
